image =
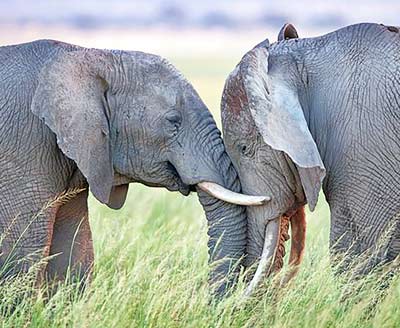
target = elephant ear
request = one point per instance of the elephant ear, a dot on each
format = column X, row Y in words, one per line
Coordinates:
column 118, row 196
column 70, row 99
column 288, row 31
column 277, row 113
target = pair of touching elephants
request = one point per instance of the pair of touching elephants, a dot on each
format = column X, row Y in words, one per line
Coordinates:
column 298, row 115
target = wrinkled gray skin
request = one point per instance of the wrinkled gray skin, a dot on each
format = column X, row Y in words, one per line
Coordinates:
column 73, row 117
column 300, row 112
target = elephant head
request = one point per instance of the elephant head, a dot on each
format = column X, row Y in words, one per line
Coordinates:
column 132, row 117
column 267, row 137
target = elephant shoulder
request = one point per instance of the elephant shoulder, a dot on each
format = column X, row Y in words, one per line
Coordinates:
column 370, row 34
column 30, row 57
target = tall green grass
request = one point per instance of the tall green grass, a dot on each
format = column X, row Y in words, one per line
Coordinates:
column 151, row 269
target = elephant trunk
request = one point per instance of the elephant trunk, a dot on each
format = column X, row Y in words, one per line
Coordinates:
column 205, row 166
column 227, row 227
column 271, row 251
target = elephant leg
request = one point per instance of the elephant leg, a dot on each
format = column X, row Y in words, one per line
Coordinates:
column 71, row 243
column 24, row 242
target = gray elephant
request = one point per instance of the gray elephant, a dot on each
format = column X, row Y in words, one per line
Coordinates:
column 301, row 114
column 73, row 118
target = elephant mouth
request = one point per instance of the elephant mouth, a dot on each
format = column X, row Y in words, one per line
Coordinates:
column 273, row 253
column 186, row 185
column 170, row 179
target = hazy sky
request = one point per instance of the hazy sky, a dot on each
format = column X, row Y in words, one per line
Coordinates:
column 200, row 14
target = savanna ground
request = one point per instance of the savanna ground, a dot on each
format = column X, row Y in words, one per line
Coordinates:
column 151, row 256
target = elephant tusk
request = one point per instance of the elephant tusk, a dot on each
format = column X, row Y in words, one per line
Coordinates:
column 229, row 196
column 267, row 257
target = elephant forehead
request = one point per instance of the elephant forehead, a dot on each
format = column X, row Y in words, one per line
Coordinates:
column 237, row 122
column 234, row 97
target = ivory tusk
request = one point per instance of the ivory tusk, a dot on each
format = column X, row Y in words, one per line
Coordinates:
column 229, row 196
column 267, row 257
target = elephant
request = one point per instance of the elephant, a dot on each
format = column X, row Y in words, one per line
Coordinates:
column 74, row 118
column 302, row 114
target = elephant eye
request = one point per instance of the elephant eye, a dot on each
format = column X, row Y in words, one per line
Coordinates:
column 247, row 150
column 174, row 120
column 174, row 117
